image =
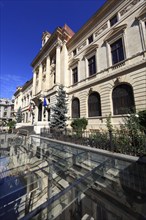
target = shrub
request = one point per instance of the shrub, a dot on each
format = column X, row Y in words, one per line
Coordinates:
column 142, row 120
column 79, row 125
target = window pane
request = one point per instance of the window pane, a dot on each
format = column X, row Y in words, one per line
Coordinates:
column 94, row 106
column 75, row 108
column 117, row 51
column 75, row 75
column 123, row 99
column 90, row 39
column 92, row 65
column 113, row 20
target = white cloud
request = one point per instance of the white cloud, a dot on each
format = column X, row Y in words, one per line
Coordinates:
column 9, row 83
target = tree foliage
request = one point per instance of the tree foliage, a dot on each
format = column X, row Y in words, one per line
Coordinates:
column 79, row 125
column 59, row 115
column 142, row 120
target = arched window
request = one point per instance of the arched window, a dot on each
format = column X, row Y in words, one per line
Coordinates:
column 123, row 99
column 94, row 105
column 40, row 112
column 75, row 108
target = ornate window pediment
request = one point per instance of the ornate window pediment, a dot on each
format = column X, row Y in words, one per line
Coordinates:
column 90, row 49
column 74, row 62
column 115, row 31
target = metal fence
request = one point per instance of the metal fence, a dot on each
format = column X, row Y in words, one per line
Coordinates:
column 120, row 142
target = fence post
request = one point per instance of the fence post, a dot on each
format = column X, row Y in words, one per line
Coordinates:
column 111, row 141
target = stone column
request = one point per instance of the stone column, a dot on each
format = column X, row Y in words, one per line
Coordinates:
column 108, row 55
column 47, row 72
column 141, row 28
column 97, row 63
column 40, row 78
column 34, row 84
column 65, row 65
column 58, row 62
column 86, row 68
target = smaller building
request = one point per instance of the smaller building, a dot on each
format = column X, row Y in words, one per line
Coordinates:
column 23, row 96
column 6, row 112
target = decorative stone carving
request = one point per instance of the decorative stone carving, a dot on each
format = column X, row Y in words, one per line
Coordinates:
column 82, row 45
column 127, row 8
column 117, row 81
column 101, row 30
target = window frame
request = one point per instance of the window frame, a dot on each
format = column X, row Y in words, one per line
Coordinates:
column 124, row 103
column 74, row 52
column 92, row 105
column 92, row 69
column 74, row 75
column 113, row 20
column 117, row 52
column 75, row 110
column 90, row 39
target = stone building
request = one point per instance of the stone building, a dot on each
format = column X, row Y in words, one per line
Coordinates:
column 6, row 112
column 102, row 66
column 23, row 96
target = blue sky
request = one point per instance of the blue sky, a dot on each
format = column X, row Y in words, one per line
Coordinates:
column 21, row 27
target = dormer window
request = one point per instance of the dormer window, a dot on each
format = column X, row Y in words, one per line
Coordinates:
column 90, row 39
column 113, row 20
column 74, row 52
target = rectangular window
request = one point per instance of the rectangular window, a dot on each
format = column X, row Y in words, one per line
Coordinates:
column 117, row 51
column 92, row 66
column 37, row 74
column 75, row 75
column 113, row 20
column 74, row 52
column 5, row 114
column 44, row 67
column 90, row 39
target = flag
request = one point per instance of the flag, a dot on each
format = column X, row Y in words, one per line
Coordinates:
column 45, row 102
column 29, row 108
column 45, row 105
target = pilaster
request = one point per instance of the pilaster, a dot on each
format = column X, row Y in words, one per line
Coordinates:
column 47, row 72
column 58, row 48
column 34, row 84
column 40, row 78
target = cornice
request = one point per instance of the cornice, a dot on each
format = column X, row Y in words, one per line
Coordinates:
column 44, row 49
column 60, row 35
column 95, row 19
column 27, row 84
column 142, row 13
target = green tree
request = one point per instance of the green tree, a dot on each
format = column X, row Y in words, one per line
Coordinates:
column 79, row 125
column 59, row 115
column 142, row 120
column 19, row 115
column 11, row 124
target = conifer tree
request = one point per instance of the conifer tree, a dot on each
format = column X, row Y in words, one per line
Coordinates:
column 59, row 117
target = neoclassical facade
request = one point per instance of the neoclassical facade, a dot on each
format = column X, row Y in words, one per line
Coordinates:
column 23, row 97
column 102, row 66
